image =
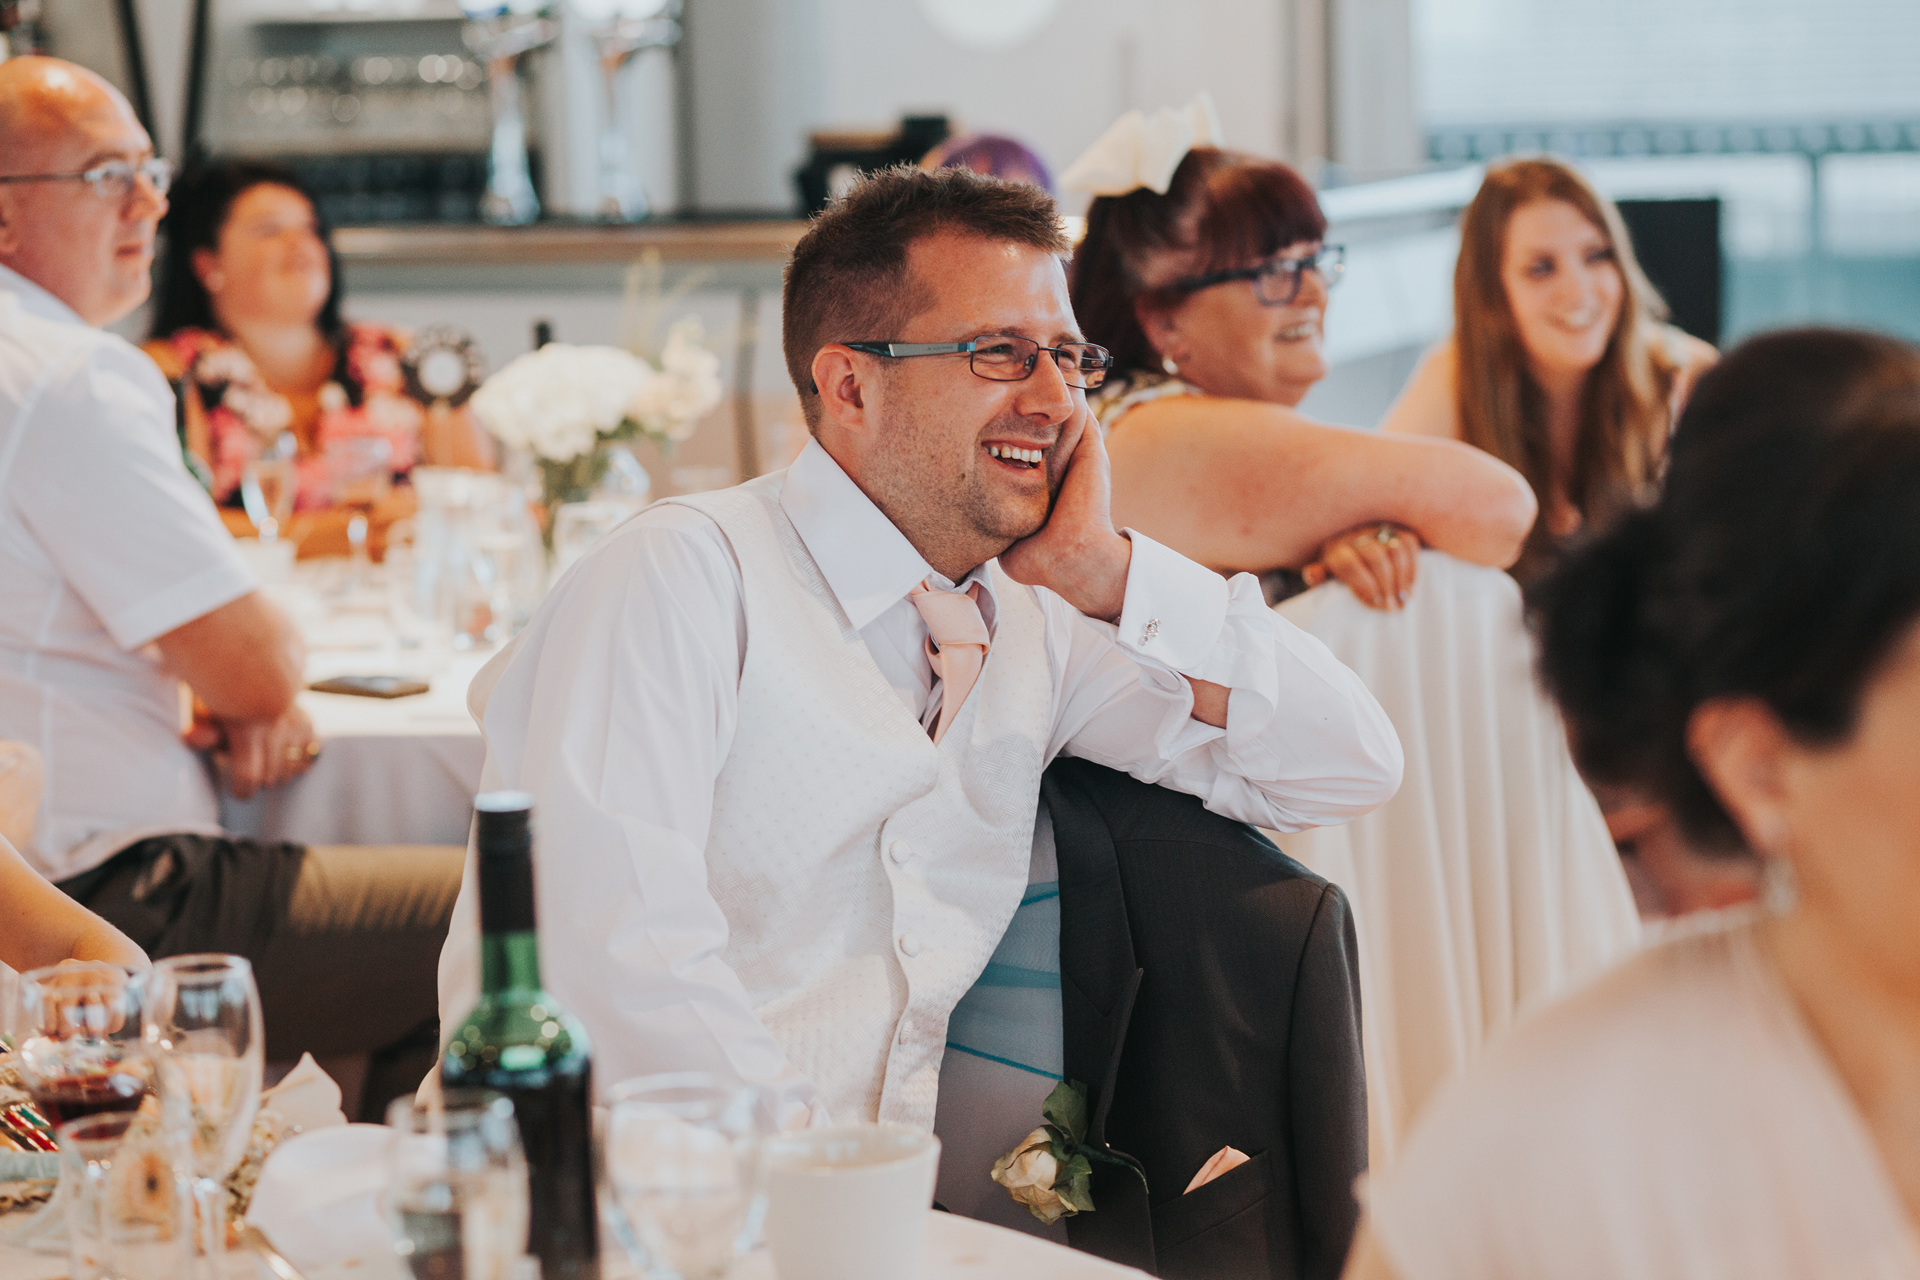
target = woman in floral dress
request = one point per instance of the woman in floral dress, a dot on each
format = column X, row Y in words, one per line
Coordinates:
column 248, row 327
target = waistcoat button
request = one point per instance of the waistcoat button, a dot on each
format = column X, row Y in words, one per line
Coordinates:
column 900, row 851
column 909, row 945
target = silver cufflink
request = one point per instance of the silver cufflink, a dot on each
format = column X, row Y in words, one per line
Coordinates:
column 1148, row 632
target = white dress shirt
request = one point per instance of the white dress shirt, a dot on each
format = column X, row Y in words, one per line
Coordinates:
column 106, row 543
column 628, row 678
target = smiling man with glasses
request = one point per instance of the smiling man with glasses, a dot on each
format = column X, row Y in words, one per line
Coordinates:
column 785, row 740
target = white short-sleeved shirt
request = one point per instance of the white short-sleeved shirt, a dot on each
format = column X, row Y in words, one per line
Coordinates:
column 1676, row 1120
column 106, row 544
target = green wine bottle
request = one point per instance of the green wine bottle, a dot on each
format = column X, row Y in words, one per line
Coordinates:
column 518, row 1041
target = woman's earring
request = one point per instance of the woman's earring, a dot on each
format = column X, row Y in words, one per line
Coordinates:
column 1779, row 887
column 1173, row 370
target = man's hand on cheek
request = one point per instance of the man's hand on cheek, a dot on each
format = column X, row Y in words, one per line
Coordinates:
column 1077, row 554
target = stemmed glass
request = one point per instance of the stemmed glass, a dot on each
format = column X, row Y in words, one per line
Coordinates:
column 78, row 1038
column 687, row 1164
column 456, row 1198
column 204, row 1032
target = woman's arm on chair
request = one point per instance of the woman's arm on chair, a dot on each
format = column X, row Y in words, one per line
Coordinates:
column 1241, row 484
column 39, row 925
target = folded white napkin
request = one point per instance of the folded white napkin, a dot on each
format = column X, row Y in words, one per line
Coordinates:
column 1142, row 150
column 306, row 1098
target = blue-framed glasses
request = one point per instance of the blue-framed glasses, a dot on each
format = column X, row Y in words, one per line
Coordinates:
column 1276, row 282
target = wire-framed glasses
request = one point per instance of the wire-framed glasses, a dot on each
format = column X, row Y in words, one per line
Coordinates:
column 1002, row 357
column 112, row 179
column 1276, row 282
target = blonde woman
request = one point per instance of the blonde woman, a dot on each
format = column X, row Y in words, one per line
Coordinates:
column 1560, row 363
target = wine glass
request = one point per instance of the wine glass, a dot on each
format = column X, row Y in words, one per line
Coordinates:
column 456, row 1197
column 130, row 1216
column 80, row 1039
column 686, row 1161
column 204, row 1032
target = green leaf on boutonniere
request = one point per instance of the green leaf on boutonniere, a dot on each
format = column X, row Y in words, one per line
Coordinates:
column 1075, row 1187
column 1066, row 1109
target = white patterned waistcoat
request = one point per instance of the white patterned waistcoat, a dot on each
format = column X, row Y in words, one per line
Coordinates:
column 866, row 874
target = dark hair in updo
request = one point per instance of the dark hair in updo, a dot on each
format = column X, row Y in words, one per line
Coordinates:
column 197, row 211
column 1782, row 562
column 1228, row 209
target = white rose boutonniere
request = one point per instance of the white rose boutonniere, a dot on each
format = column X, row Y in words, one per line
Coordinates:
column 1051, row 1170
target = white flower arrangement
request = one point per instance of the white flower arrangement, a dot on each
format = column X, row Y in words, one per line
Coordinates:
column 566, row 404
column 558, row 402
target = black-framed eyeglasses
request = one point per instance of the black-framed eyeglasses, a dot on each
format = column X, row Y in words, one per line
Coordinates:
column 112, row 180
column 1002, row 357
column 1276, row 282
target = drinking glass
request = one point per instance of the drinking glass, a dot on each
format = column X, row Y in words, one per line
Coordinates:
column 577, row 526
column 204, row 1032
column 686, row 1162
column 266, row 494
column 456, row 1198
column 80, row 1039
column 130, row 1213
column 359, row 470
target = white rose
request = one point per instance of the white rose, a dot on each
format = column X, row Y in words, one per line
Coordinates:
column 558, row 400
column 1028, row 1172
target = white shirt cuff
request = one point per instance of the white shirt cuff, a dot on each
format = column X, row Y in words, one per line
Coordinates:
column 1174, row 609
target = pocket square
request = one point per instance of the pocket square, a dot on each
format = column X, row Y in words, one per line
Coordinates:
column 1222, row 1160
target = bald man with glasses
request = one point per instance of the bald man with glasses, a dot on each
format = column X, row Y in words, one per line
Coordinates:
column 122, row 591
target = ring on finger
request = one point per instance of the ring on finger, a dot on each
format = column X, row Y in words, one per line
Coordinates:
column 1386, row 535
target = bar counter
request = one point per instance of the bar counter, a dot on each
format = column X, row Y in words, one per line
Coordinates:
column 724, row 253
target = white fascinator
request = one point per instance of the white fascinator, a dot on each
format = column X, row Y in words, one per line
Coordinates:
column 1143, row 150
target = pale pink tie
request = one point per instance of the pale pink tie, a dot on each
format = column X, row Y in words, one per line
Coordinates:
column 957, row 646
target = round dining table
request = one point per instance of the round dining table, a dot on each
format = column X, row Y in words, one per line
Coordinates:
column 391, row 771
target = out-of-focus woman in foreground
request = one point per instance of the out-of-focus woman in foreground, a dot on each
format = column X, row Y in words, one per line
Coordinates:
column 1560, row 362
column 1737, row 1102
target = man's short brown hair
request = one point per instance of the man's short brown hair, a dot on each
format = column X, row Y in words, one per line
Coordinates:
column 848, row 278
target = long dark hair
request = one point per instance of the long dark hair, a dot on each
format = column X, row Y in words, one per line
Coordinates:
column 198, row 207
column 1782, row 562
column 1231, row 210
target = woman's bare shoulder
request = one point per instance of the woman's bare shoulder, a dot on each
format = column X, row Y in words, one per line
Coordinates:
column 1429, row 404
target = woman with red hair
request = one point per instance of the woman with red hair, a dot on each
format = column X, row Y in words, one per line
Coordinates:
column 1490, row 879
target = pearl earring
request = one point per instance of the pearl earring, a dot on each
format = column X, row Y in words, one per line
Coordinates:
column 1173, row 370
column 1779, row 886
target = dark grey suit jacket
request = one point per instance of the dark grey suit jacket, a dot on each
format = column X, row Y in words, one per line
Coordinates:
column 1211, row 993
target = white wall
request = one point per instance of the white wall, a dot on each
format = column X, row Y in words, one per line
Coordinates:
column 767, row 72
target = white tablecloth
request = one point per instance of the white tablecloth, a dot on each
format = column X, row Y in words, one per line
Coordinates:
column 391, row 771
column 957, row 1249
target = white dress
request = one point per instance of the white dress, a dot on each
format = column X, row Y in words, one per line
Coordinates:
column 1489, row 882
column 1674, row 1119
